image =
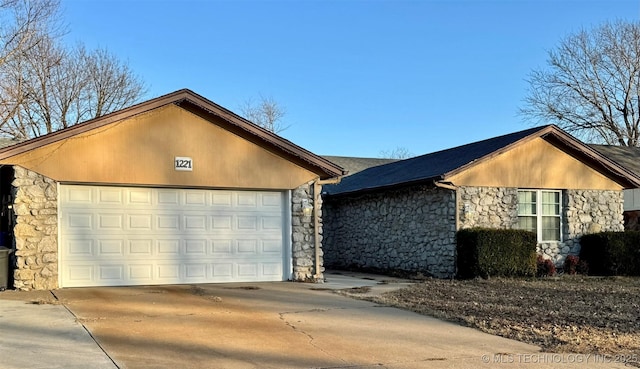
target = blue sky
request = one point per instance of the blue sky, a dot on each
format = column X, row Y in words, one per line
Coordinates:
column 355, row 77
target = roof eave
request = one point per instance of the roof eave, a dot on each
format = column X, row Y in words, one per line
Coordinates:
column 91, row 124
column 326, row 168
column 616, row 172
column 620, row 174
column 331, row 170
column 368, row 190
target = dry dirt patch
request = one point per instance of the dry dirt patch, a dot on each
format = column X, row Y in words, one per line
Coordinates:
column 565, row 314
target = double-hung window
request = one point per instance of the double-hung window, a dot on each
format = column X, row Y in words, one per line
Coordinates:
column 539, row 211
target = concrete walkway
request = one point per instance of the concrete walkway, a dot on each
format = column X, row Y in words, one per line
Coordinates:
column 249, row 325
column 34, row 335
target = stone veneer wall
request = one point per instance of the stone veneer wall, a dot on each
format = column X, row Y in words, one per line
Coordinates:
column 587, row 211
column 303, row 244
column 35, row 231
column 411, row 229
column 584, row 211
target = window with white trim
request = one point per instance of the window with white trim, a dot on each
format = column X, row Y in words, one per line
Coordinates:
column 539, row 211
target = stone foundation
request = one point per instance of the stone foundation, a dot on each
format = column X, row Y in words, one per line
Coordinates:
column 35, row 231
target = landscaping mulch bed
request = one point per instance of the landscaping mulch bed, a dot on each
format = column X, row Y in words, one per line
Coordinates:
column 567, row 314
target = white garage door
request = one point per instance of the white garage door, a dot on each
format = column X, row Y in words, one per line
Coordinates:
column 113, row 236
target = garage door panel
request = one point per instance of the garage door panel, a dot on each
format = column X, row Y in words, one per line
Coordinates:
column 195, row 247
column 271, row 223
column 79, row 248
column 167, row 198
column 271, row 269
column 222, row 222
column 247, row 200
column 139, row 197
column 79, row 274
column 271, row 246
column 168, row 247
column 168, row 273
column 111, row 273
column 168, row 222
column 246, row 223
column 109, row 222
column 248, row 270
column 111, row 248
column 221, row 200
column 247, row 247
column 129, row 236
column 140, row 222
column 221, row 248
column 110, row 196
column 195, row 198
column 271, row 200
column 78, row 195
column 222, row 271
column 141, row 272
column 195, row 222
column 78, row 221
column 140, row 248
column 196, row 271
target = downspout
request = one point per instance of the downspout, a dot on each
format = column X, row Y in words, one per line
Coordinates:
column 317, row 185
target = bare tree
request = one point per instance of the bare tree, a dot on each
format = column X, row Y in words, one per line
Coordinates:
column 59, row 87
column 22, row 23
column 397, row 153
column 28, row 80
column 592, row 85
column 267, row 113
column 45, row 86
column 112, row 85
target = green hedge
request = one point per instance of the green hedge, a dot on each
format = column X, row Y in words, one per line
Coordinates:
column 486, row 252
column 611, row 253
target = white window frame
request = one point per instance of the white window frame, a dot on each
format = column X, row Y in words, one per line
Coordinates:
column 539, row 215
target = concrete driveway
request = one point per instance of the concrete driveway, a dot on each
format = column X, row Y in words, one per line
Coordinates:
column 282, row 325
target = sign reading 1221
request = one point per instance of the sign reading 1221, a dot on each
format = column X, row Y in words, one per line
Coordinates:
column 183, row 163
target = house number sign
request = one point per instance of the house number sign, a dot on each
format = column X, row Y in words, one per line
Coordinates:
column 183, row 163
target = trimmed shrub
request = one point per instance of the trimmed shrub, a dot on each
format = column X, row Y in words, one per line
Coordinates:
column 484, row 252
column 571, row 264
column 612, row 253
column 545, row 267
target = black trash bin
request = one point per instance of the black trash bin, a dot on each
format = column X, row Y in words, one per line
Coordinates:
column 4, row 267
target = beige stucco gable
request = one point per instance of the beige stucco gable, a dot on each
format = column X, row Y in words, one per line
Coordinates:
column 534, row 164
column 141, row 149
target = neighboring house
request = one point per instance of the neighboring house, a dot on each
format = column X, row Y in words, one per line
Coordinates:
column 173, row 190
column 628, row 157
column 6, row 142
column 404, row 215
column 353, row 165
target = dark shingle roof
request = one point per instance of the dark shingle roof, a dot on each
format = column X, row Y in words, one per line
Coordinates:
column 424, row 168
column 354, row 165
column 628, row 157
